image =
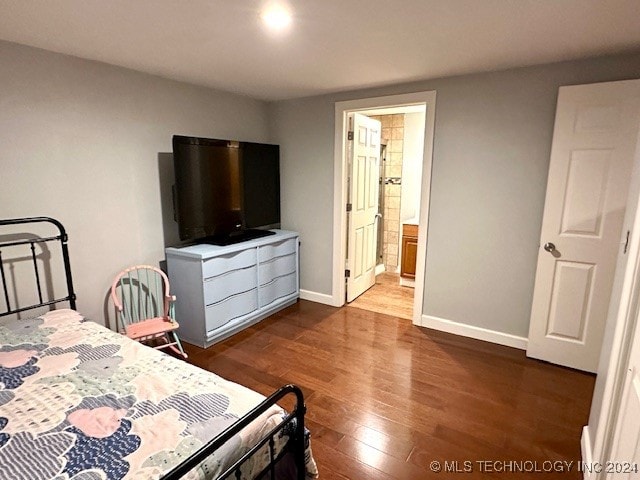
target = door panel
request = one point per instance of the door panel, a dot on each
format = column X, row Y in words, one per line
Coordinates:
column 359, row 182
column 371, row 247
column 358, row 270
column 594, row 140
column 571, row 296
column 586, row 192
column 364, row 161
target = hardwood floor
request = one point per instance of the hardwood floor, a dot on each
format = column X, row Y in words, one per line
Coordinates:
column 385, row 399
column 387, row 296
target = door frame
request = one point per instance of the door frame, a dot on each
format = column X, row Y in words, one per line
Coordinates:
column 342, row 109
column 596, row 443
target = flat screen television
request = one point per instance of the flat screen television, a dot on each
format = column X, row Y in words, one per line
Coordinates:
column 226, row 191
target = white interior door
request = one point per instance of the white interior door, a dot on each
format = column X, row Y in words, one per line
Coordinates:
column 364, row 166
column 594, row 141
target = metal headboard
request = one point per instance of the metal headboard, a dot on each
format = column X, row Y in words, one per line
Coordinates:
column 62, row 238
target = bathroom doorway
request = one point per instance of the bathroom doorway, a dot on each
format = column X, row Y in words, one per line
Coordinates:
column 399, row 184
column 341, row 263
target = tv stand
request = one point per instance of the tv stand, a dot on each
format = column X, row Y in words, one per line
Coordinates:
column 237, row 237
column 221, row 290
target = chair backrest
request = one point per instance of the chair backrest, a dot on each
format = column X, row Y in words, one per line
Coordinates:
column 141, row 292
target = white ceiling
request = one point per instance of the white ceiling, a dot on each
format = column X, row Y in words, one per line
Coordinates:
column 332, row 45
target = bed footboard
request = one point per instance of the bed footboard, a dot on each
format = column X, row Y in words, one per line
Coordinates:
column 296, row 444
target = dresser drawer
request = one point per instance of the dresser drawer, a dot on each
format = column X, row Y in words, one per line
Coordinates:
column 277, row 267
column 222, row 286
column 277, row 249
column 223, row 312
column 280, row 287
column 231, row 261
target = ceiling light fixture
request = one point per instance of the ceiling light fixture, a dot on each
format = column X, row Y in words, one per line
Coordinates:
column 276, row 17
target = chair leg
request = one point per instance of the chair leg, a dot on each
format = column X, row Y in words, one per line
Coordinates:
column 177, row 340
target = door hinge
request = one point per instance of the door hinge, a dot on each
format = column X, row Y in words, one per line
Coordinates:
column 347, row 273
column 349, row 207
column 626, row 243
column 350, row 135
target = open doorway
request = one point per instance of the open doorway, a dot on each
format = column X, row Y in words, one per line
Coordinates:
column 398, row 190
column 403, row 183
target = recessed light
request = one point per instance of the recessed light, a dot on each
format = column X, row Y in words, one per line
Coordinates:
column 276, row 17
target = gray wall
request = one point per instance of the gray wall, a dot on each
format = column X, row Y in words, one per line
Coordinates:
column 492, row 141
column 90, row 144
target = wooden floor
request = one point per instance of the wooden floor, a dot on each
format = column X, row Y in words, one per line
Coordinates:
column 385, row 399
column 387, row 296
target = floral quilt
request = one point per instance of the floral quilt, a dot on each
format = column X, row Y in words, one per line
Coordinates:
column 78, row 401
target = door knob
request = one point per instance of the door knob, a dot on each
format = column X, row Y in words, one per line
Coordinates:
column 549, row 247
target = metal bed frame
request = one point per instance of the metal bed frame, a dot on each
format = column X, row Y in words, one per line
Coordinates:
column 32, row 241
column 291, row 425
column 295, row 445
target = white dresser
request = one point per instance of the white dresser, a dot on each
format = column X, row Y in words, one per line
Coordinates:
column 222, row 289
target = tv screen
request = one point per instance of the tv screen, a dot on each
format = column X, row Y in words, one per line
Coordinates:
column 261, row 184
column 225, row 189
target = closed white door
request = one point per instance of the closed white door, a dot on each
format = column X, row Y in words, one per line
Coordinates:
column 362, row 210
column 594, row 141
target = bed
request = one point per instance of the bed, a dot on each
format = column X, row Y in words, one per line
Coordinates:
column 79, row 401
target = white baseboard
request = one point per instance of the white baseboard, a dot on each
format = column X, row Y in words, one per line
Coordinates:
column 471, row 331
column 380, row 269
column 316, row 297
column 585, row 450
